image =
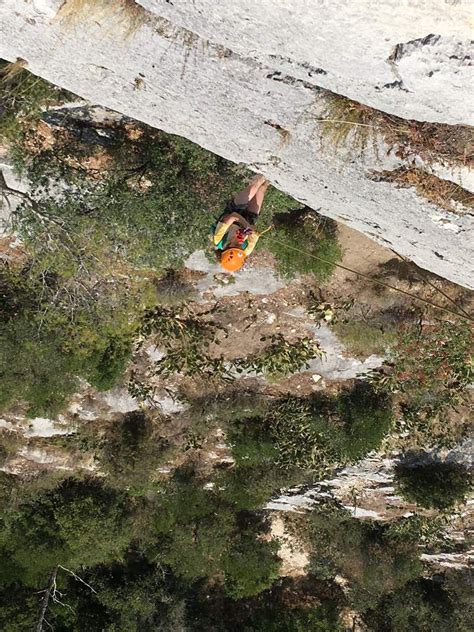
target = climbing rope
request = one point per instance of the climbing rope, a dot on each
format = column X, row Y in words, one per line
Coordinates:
column 461, row 314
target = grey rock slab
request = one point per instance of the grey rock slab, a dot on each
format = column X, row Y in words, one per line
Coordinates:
column 248, row 110
column 252, row 279
column 394, row 55
column 335, row 364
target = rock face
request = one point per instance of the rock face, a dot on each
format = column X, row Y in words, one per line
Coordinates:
column 367, row 489
column 248, row 81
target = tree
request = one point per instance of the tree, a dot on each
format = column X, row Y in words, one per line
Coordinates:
column 251, row 566
column 130, row 452
column 433, row 484
column 77, row 524
column 312, row 433
column 437, row 604
column 373, row 561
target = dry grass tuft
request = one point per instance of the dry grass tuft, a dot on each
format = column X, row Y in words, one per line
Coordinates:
column 347, row 122
column 127, row 15
column 11, row 71
column 444, row 193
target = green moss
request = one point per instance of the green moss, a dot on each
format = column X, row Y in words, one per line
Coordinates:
column 363, row 339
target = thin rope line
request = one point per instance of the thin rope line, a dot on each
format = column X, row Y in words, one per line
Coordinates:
column 435, row 287
column 343, row 122
column 377, row 281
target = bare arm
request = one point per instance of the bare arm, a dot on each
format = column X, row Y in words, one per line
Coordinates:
column 235, row 217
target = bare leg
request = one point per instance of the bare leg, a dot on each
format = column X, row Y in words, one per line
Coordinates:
column 250, row 191
column 256, row 202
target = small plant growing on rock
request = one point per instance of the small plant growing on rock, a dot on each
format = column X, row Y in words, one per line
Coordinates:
column 446, row 194
column 282, row 357
column 345, row 120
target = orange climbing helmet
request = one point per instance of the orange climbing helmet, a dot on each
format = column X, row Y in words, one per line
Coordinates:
column 232, row 259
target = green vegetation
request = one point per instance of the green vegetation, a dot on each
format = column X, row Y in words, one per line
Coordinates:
column 281, row 357
column 74, row 524
column 349, row 123
column 112, row 213
column 295, row 440
column 365, row 553
column 328, row 430
column 186, row 334
column 23, row 98
column 130, row 452
column 9, row 444
column 434, row 484
column 298, row 233
column 430, row 370
column 363, row 339
column 438, row 604
column 182, row 531
column 352, row 125
column 47, row 341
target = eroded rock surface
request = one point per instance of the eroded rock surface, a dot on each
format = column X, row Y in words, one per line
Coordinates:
column 248, row 81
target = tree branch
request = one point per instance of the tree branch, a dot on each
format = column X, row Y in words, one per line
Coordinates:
column 78, row 578
column 46, row 598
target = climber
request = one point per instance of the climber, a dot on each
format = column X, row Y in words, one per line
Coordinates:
column 234, row 236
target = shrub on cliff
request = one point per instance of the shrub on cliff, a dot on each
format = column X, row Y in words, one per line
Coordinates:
column 327, row 430
column 298, row 235
column 434, row 484
column 363, row 552
column 429, row 369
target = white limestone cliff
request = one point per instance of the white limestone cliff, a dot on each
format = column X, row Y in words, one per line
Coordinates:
column 247, row 81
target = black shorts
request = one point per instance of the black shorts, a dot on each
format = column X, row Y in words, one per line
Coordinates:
column 241, row 209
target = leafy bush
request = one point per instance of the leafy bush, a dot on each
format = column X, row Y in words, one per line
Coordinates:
column 23, row 97
column 291, row 605
column 431, row 369
column 131, row 451
column 266, row 482
column 304, row 231
column 45, row 345
column 250, row 567
column 314, row 433
column 186, row 336
column 256, row 460
column 9, row 444
column 75, row 524
column 434, row 484
column 33, row 368
column 196, row 533
column 438, row 604
column 281, row 357
column 363, row 552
